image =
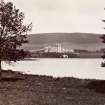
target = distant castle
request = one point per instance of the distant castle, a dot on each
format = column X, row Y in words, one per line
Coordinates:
column 57, row 48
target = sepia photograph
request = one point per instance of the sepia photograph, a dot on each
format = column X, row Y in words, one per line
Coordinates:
column 52, row 52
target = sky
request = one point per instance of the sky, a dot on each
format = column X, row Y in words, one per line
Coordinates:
column 51, row 16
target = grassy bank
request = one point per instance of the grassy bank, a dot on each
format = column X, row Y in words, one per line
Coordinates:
column 19, row 89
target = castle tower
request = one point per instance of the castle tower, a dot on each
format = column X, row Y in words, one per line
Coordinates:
column 59, row 48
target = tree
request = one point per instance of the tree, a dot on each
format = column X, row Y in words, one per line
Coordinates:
column 103, row 50
column 13, row 33
column 103, row 40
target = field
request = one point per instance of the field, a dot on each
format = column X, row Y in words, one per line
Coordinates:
column 19, row 89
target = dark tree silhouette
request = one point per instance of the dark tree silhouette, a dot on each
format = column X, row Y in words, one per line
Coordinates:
column 103, row 40
column 13, row 33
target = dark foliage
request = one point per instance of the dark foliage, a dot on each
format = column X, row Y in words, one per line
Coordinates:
column 103, row 40
column 52, row 55
column 13, row 33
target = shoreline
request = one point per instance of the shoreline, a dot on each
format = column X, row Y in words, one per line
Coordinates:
column 22, row 89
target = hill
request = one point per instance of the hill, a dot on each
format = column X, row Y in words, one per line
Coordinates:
column 86, row 41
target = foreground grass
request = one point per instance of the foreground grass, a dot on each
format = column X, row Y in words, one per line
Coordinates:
column 19, row 89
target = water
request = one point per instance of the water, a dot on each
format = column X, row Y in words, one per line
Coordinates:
column 80, row 68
